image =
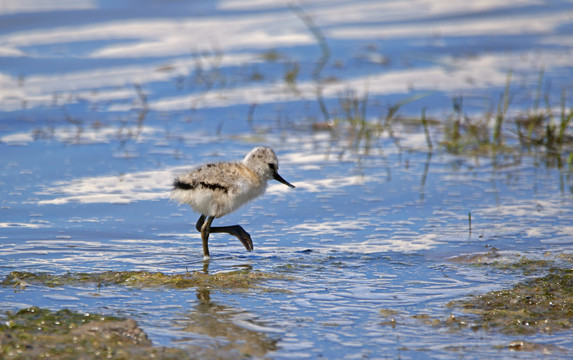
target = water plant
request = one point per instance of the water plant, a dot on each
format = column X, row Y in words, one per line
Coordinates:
column 507, row 261
column 536, row 128
column 239, row 279
column 36, row 333
column 502, row 107
column 543, row 304
column 323, row 59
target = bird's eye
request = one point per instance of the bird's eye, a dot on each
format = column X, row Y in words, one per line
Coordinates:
column 273, row 167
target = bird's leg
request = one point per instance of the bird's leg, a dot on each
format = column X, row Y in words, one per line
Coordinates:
column 238, row 232
column 205, row 231
column 200, row 223
column 204, row 227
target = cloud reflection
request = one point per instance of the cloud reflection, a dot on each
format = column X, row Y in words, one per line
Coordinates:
column 35, row 6
column 240, row 37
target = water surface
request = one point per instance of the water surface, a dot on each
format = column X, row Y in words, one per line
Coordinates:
column 102, row 104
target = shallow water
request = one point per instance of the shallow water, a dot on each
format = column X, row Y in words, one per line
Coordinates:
column 101, row 105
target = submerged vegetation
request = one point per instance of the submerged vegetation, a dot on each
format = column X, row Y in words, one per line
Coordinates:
column 543, row 304
column 240, row 279
column 41, row 333
column 502, row 261
column 35, row 333
column 539, row 304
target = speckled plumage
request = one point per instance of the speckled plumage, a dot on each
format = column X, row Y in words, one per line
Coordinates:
column 216, row 189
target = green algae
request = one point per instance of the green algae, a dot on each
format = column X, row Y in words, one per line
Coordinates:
column 520, row 345
column 36, row 333
column 42, row 320
column 543, row 304
column 239, row 279
column 388, row 312
column 505, row 262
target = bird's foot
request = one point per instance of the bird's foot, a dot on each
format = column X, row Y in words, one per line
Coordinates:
column 238, row 232
column 245, row 238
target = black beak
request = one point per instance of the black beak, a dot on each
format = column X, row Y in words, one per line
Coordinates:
column 279, row 178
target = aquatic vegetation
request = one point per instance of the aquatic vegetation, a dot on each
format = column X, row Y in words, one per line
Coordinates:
column 535, row 128
column 358, row 125
column 35, row 333
column 271, row 55
column 520, row 345
column 355, row 129
column 500, row 116
column 543, row 304
column 292, row 70
column 495, row 259
column 388, row 312
column 240, row 279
